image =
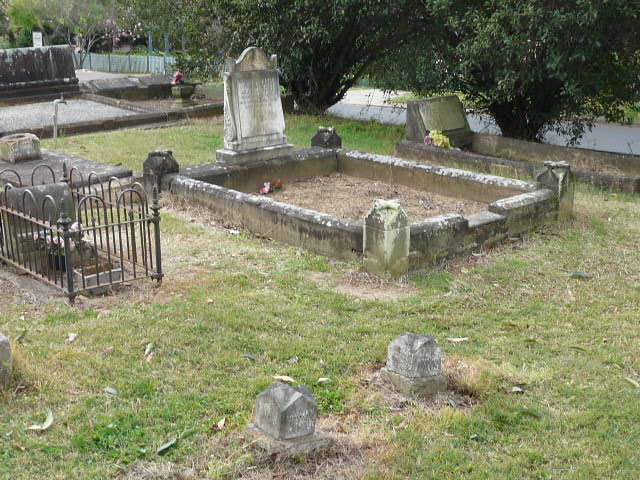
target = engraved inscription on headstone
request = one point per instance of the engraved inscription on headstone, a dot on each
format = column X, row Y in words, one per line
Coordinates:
column 253, row 116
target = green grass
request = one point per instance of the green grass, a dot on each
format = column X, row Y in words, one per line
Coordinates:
column 197, row 143
column 571, row 344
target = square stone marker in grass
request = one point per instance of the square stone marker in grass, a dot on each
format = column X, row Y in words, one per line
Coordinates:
column 414, row 365
column 285, row 420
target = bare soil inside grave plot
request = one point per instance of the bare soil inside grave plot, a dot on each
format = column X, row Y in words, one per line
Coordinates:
column 345, row 196
column 164, row 104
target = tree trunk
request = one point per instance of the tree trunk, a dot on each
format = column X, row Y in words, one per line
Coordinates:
column 515, row 122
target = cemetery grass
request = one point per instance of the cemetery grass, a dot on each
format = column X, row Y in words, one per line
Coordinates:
column 196, row 143
column 234, row 310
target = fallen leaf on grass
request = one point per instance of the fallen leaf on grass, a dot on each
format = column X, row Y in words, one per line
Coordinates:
column 148, row 349
column 529, row 413
column 111, row 391
column 284, row 378
column 220, row 425
column 581, row 275
column 632, row 382
column 249, row 356
column 516, row 390
column 71, row 338
column 17, row 446
column 323, row 380
column 149, row 357
column 45, row 426
column 458, row 339
column 109, row 350
column 293, row 359
column 162, row 449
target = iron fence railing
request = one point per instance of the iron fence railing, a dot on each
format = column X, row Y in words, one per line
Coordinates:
column 80, row 234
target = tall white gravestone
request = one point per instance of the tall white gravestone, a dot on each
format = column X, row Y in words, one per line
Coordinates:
column 253, row 116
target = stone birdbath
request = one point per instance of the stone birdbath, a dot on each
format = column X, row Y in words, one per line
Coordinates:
column 181, row 90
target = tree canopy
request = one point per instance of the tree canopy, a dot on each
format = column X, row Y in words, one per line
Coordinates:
column 533, row 65
column 323, row 48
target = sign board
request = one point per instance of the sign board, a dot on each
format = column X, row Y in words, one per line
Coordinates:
column 37, row 39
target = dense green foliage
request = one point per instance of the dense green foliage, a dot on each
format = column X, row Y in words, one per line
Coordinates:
column 533, row 65
column 324, row 47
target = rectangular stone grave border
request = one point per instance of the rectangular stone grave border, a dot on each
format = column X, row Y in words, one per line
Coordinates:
column 144, row 116
column 514, row 206
column 492, row 153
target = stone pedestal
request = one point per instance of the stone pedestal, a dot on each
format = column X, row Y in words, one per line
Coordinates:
column 386, row 239
column 253, row 116
column 327, row 137
column 6, row 362
column 285, row 420
column 557, row 177
column 19, row 148
column 414, row 366
column 445, row 114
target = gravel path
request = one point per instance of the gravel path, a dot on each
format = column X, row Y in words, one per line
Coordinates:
column 38, row 114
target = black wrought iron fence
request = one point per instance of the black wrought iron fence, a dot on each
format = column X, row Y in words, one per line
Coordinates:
column 79, row 234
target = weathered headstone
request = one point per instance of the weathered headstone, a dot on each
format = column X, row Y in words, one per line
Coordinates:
column 386, row 237
column 414, row 365
column 285, row 420
column 326, row 137
column 6, row 362
column 37, row 71
column 253, row 117
column 557, row 177
column 445, row 114
column 19, row 147
column 157, row 164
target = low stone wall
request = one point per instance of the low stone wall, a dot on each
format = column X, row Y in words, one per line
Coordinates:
column 514, row 206
column 318, row 232
column 619, row 172
column 433, row 178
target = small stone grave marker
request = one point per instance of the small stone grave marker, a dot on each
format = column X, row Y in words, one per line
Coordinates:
column 326, row 137
column 19, row 148
column 414, row 365
column 285, row 420
column 386, row 236
column 6, row 362
column 253, row 116
column 445, row 114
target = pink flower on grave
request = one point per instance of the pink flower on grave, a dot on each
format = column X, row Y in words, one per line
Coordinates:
column 266, row 188
column 178, row 78
column 55, row 240
column 36, row 236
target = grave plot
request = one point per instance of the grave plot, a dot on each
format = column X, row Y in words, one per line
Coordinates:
column 493, row 153
column 499, row 207
column 79, row 234
column 450, row 211
column 39, row 94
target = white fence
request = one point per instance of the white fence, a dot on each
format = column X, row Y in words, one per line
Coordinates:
column 105, row 62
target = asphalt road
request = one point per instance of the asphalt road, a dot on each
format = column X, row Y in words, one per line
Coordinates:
column 609, row 137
